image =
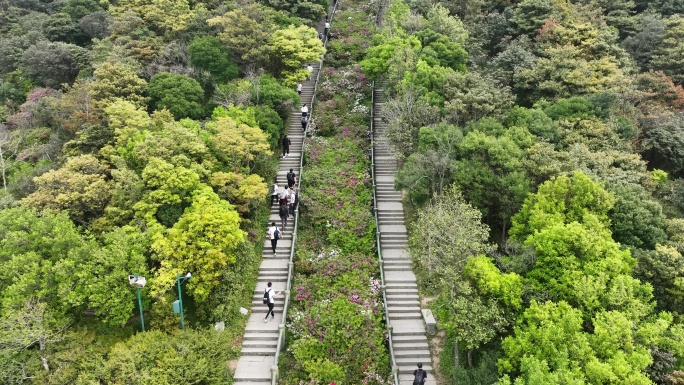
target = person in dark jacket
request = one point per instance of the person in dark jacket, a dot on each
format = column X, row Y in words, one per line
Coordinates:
column 286, row 146
column 419, row 375
column 304, row 121
column 283, row 212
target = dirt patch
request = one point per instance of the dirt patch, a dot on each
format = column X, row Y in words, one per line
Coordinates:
column 232, row 365
column 436, row 344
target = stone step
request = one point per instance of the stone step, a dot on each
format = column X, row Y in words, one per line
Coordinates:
column 267, row 335
column 409, row 339
column 263, row 351
column 402, row 297
column 408, row 290
column 258, row 382
column 402, row 309
column 394, row 268
column 410, row 345
column 405, row 316
column 416, row 355
column 408, row 365
column 262, row 344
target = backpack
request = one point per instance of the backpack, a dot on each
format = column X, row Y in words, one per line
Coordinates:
column 276, row 234
column 420, row 377
column 266, row 296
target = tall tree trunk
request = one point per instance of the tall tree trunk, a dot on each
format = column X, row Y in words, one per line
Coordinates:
column 457, row 361
column 470, row 358
column 42, row 355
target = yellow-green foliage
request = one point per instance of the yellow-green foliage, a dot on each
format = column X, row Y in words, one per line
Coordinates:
column 491, row 281
column 203, row 241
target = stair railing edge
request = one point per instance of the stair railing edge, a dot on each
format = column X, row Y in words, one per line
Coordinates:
column 377, row 240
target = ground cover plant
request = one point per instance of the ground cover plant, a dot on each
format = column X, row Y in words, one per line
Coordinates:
column 336, row 331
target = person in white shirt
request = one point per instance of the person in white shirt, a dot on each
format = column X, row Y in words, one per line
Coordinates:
column 274, row 194
column 305, row 110
column 310, row 69
column 291, row 200
column 269, row 296
column 299, row 88
column 272, row 236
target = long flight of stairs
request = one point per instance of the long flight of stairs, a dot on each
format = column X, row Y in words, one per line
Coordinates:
column 261, row 339
column 410, row 343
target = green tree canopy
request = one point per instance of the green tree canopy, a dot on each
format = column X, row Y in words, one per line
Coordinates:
column 179, row 94
column 208, row 53
column 203, row 241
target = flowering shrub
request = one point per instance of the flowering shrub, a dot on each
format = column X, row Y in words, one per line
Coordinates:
column 337, row 115
column 348, row 82
column 336, row 330
column 349, row 36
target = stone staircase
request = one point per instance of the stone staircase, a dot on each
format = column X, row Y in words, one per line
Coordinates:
column 408, row 330
column 261, row 339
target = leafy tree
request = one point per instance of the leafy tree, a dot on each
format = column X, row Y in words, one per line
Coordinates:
column 127, row 189
column 177, row 358
column 52, row 64
column 246, row 32
column 14, row 88
column 40, row 254
column 439, row 20
column 507, row 288
column 179, row 94
column 96, row 25
column 659, row 91
column 551, row 347
column 472, row 96
column 647, row 41
column 530, row 15
column 671, row 53
column 78, row 9
column 445, row 235
column 239, row 145
column 537, row 122
column 168, row 192
column 376, row 61
column 291, row 49
column 636, row 220
column 663, row 146
column 118, row 81
column 245, row 192
column 164, row 16
column 271, row 123
column 307, row 10
column 492, row 170
column 123, row 252
column 203, row 241
column 429, row 171
column 61, row 27
column 131, row 36
column 209, row 54
column 565, row 199
column 32, row 325
column 563, row 72
column 663, row 268
column 80, row 189
column 275, row 95
column 439, row 50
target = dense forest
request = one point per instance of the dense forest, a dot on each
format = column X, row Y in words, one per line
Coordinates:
column 137, row 137
column 542, row 162
column 541, row 145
